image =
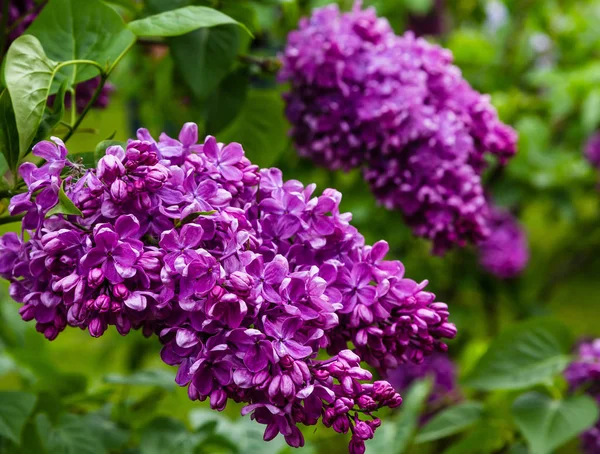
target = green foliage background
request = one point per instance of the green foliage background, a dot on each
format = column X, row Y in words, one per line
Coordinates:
column 541, row 66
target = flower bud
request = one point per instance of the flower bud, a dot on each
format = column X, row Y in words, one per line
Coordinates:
column 97, row 327
column 120, row 291
column 156, row 178
column 109, row 168
column 95, row 277
column 363, row 431
column 118, row 191
column 102, row 303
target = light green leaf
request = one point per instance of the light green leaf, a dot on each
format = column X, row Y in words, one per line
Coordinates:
column 401, row 431
column 15, row 408
column 29, row 74
column 451, row 421
column 81, row 30
column 9, row 135
column 547, row 424
column 590, row 111
column 524, row 355
column 152, row 377
column 180, row 21
column 65, row 205
column 483, row 439
column 205, row 56
column 260, row 127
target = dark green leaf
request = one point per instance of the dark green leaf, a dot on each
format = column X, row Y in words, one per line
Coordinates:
column 9, row 135
column 523, row 355
column 65, row 205
column 102, row 146
column 547, row 424
column 225, row 104
column 205, row 56
column 15, row 408
column 29, row 74
column 110, row 435
column 51, row 118
column 72, row 435
column 181, row 21
column 260, row 127
column 451, row 421
column 81, row 30
column 154, row 377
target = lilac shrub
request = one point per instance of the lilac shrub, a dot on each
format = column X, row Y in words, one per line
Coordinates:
column 245, row 278
column 584, row 373
column 396, row 106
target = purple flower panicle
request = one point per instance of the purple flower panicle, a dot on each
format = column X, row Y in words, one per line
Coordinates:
column 584, row 374
column 396, row 106
column 592, row 150
column 505, row 252
column 245, row 277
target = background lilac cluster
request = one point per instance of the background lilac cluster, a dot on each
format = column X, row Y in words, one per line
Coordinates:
column 584, row 374
column 244, row 276
column 395, row 105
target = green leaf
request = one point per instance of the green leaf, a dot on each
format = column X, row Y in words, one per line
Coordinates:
column 227, row 101
column 451, row 421
column 483, row 439
column 165, row 435
column 81, row 30
column 152, row 377
column 102, row 146
column 419, row 6
column 402, row 430
column 15, row 408
column 524, row 355
column 590, row 111
column 51, row 118
column 260, row 127
column 110, row 435
column 29, row 74
column 547, row 424
column 71, row 435
column 205, row 56
column 9, row 135
column 65, row 205
column 180, row 21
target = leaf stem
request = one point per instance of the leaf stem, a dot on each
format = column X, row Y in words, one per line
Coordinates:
column 77, row 123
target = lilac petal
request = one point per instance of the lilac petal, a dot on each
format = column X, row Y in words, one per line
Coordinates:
column 276, row 270
column 186, row 338
column 169, row 240
column 191, row 235
column 93, row 258
column 231, row 154
column 211, row 148
column 46, row 150
column 125, row 255
column 297, row 350
column 189, row 134
column 361, row 274
column 231, row 173
column 256, row 359
column 127, row 226
column 136, row 301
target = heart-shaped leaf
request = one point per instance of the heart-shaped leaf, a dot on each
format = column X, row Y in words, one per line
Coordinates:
column 65, row 205
column 15, row 408
column 81, row 30
column 547, row 424
column 29, row 74
column 524, row 355
column 451, row 421
column 180, row 21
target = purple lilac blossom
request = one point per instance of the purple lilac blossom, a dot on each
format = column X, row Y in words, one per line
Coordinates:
column 84, row 92
column 439, row 367
column 592, row 150
column 584, row 373
column 21, row 13
column 245, row 277
column 396, row 106
column 505, row 252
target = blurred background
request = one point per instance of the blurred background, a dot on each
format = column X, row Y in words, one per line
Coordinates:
column 540, row 62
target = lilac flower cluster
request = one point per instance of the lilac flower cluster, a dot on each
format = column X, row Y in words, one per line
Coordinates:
column 244, row 276
column 84, row 93
column 439, row 367
column 592, row 150
column 395, row 105
column 584, row 373
column 21, row 13
column 505, row 252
